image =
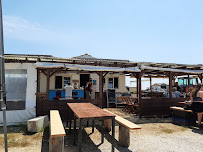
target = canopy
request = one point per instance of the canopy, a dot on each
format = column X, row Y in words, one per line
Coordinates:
column 78, row 67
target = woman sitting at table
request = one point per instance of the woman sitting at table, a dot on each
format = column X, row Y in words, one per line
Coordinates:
column 197, row 102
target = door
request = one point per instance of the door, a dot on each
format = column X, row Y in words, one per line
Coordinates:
column 84, row 78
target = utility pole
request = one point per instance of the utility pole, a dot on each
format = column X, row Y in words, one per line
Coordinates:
column 2, row 78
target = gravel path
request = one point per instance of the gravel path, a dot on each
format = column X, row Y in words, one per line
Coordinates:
column 156, row 135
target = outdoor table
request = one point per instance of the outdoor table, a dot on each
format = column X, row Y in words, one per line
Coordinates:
column 88, row 111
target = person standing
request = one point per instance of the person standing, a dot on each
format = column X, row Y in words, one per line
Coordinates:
column 68, row 89
column 197, row 102
column 88, row 89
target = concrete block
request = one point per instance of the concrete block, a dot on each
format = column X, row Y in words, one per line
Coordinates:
column 37, row 124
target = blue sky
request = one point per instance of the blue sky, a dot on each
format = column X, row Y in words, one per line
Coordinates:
column 138, row 30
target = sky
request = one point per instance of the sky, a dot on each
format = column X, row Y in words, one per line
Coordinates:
column 168, row 31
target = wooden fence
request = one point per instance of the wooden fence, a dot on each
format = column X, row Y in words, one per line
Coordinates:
column 158, row 106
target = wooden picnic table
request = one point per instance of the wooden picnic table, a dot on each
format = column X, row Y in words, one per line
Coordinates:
column 88, row 111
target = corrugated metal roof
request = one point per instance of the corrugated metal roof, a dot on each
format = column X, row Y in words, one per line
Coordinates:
column 101, row 62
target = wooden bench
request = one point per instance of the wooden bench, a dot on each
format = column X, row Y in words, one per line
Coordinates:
column 57, row 132
column 124, row 129
column 184, row 117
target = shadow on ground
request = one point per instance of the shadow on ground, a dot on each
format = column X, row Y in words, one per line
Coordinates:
column 89, row 144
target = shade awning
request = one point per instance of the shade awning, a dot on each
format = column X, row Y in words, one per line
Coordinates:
column 78, row 67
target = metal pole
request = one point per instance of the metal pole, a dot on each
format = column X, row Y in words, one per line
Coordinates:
column 2, row 79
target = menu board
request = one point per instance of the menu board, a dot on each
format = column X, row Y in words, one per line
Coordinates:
column 111, row 97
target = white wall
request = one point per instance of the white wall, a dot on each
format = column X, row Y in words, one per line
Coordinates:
column 19, row 116
column 75, row 76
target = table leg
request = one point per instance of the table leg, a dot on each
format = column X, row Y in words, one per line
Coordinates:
column 113, row 134
column 80, row 135
column 74, row 143
column 87, row 123
column 102, row 132
column 67, row 117
column 70, row 126
column 93, row 123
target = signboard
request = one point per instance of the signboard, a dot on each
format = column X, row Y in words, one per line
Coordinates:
column 111, row 97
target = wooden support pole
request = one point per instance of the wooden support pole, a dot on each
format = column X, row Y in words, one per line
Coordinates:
column 170, row 84
column 150, row 79
column 56, row 144
column 140, row 85
column 38, row 81
column 188, row 81
column 137, row 86
column 140, row 94
column 101, row 89
column 48, row 84
column 124, row 136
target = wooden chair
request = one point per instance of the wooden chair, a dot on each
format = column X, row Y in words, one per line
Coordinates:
column 75, row 95
column 58, row 95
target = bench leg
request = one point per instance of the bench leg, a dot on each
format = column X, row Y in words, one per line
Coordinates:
column 107, row 125
column 74, row 143
column 93, row 123
column 113, row 135
column 124, row 136
column 56, row 144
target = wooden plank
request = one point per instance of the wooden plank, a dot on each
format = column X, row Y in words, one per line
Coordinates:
column 181, row 109
column 125, row 122
column 56, row 126
column 88, row 110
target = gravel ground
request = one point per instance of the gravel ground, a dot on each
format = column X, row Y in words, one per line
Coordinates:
column 156, row 135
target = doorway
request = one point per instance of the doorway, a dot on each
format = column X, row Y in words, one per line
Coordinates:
column 84, row 78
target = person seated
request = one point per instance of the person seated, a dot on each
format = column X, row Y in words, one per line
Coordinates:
column 176, row 94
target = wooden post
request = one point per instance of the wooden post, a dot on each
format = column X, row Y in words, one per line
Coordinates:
column 107, row 125
column 170, row 84
column 188, row 81
column 137, row 86
column 101, row 89
column 38, row 81
column 140, row 86
column 48, row 84
column 150, row 79
column 56, row 144
column 140, row 94
column 124, row 136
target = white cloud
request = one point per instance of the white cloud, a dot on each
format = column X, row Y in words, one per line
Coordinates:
column 22, row 29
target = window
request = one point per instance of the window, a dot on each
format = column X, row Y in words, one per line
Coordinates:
column 16, row 87
column 58, row 82
column 110, row 85
column 66, row 81
column 113, row 83
column 116, row 83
